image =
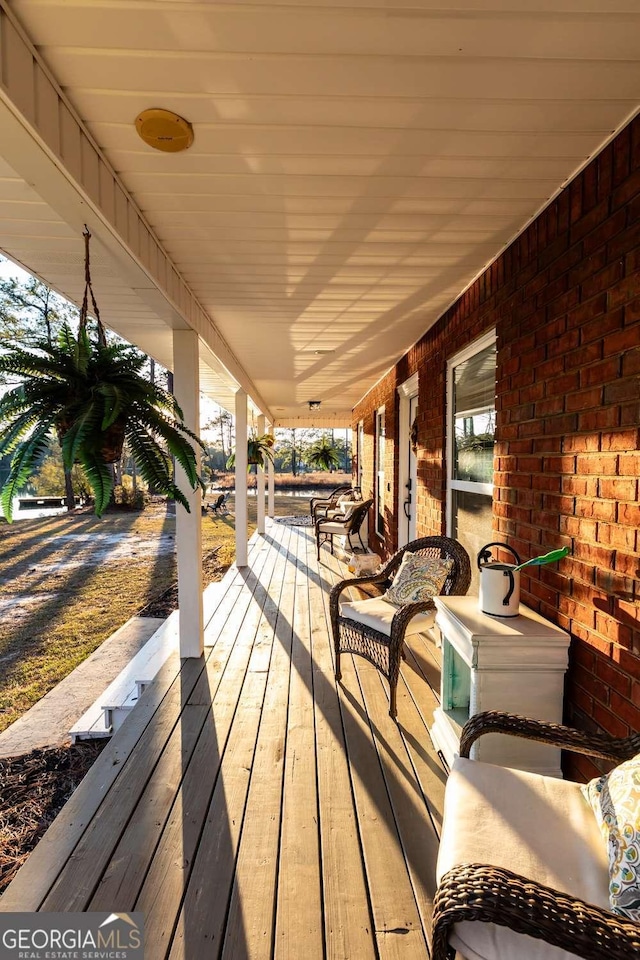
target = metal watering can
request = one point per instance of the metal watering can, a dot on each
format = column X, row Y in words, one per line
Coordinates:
column 499, row 593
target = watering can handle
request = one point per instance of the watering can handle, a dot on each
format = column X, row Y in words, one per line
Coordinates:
column 485, row 553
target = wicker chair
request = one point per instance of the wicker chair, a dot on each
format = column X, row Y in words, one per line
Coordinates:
column 514, row 903
column 327, row 507
column 383, row 647
column 327, row 529
column 328, row 501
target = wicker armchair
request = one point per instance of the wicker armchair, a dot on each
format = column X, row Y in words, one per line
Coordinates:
column 341, row 526
column 384, row 649
column 330, row 500
column 327, row 507
column 500, row 896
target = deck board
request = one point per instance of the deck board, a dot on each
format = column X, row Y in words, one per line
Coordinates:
column 251, row 807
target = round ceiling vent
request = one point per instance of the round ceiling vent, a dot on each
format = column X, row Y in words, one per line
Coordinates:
column 164, row 130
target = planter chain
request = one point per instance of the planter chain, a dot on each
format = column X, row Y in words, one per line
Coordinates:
column 88, row 289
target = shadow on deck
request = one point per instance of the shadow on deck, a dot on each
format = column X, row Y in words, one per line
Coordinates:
column 250, row 806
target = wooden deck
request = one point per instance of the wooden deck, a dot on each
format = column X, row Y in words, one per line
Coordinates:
column 250, row 807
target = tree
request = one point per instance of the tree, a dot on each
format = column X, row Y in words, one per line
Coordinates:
column 30, row 311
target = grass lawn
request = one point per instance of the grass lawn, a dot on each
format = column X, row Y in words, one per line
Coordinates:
column 68, row 582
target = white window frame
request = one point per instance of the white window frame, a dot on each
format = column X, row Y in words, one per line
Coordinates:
column 379, row 462
column 467, row 486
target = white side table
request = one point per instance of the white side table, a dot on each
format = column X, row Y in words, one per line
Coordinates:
column 514, row 664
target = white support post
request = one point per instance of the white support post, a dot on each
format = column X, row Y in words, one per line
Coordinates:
column 242, row 552
column 186, row 385
column 270, row 483
column 260, row 483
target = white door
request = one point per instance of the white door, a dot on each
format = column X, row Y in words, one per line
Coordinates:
column 409, row 505
column 407, row 463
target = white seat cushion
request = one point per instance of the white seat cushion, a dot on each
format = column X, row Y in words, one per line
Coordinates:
column 377, row 613
column 539, row 827
column 332, row 526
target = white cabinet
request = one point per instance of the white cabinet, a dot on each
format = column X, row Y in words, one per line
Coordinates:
column 488, row 663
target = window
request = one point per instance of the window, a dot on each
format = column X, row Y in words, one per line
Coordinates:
column 380, row 472
column 471, row 386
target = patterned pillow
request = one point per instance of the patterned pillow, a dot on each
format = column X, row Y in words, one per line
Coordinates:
column 615, row 800
column 418, row 578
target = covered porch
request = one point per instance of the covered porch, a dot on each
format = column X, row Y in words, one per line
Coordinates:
column 251, row 806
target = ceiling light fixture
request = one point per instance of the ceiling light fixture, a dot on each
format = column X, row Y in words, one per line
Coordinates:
column 164, row 130
column 314, row 404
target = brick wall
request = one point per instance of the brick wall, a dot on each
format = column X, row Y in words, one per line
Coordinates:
column 565, row 301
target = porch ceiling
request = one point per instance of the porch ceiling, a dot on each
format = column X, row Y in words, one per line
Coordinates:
column 355, row 165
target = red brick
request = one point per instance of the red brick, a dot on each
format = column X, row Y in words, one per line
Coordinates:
column 591, row 684
column 579, row 527
column 591, row 553
column 550, row 368
column 609, row 721
column 627, row 565
column 581, row 443
column 629, row 515
column 629, row 662
column 603, row 280
column 623, row 440
column 549, row 484
column 625, row 711
column 612, row 629
column 602, row 326
column 617, row 343
column 595, row 307
column 580, row 486
column 600, row 372
column 584, row 399
column 625, row 241
column 616, row 535
column 600, row 509
column 615, row 679
column 617, row 489
column 586, row 354
column 549, row 408
column 563, row 385
column 603, row 419
column 603, row 465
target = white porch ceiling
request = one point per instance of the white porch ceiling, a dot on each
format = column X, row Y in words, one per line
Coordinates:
column 355, row 164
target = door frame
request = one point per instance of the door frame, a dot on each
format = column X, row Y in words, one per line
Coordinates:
column 406, row 392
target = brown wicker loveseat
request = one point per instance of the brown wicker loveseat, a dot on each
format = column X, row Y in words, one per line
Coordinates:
column 505, row 832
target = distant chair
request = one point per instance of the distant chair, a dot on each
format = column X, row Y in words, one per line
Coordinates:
column 327, row 507
column 340, row 526
column 375, row 628
column 219, row 504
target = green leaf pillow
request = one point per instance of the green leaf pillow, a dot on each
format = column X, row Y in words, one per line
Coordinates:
column 418, row 579
column 615, row 800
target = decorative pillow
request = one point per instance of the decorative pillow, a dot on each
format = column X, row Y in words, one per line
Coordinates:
column 615, row 800
column 346, row 509
column 418, row 578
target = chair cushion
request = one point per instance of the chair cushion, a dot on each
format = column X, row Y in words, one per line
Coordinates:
column 346, row 509
column 332, row 526
column 539, row 827
column 615, row 800
column 418, row 578
column 376, row 613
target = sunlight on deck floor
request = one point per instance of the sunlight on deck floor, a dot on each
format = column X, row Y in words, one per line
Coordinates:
column 252, row 808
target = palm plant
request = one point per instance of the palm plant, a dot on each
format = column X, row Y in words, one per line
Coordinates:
column 90, row 393
column 323, row 455
column 259, row 451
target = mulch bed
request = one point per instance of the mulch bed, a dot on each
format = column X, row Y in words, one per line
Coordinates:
column 35, row 787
